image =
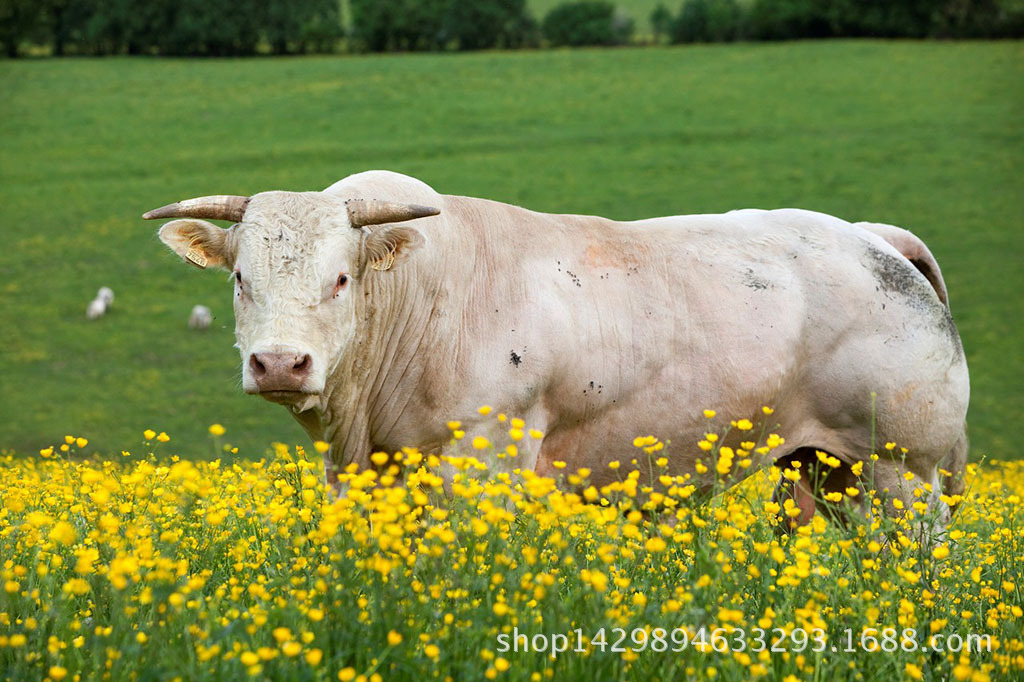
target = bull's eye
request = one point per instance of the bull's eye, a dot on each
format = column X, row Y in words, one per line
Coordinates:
column 340, row 284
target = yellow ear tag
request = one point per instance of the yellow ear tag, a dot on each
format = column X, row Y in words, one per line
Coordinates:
column 196, row 256
column 384, row 263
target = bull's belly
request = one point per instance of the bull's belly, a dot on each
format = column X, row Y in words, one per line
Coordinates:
column 848, row 398
column 679, row 423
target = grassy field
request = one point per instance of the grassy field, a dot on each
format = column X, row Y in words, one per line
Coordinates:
column 923, row 135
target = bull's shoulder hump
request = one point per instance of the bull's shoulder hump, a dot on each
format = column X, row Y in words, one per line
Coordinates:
column 384, row 184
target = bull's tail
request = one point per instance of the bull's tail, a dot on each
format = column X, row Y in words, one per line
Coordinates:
column 914, row 250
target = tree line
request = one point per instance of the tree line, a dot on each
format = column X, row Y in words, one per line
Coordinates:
column 246, row 27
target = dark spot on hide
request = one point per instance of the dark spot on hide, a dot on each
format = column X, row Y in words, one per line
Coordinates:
column 898, row 275
column 515, row 359
column 951, row 331
column 755, row 282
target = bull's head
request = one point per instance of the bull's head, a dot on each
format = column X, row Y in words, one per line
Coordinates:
column 298, row 261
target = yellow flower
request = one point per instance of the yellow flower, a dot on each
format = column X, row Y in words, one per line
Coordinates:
column 291, row 649
column 940, row 552
column 149, row 434
column 347, row 674
column 485, row 410
column 744, row 425
column 710, row 414
column 81, row 442
column 655, row 544
column 481, row 443
column 394, row 638
column 501, row 664
column 534, row 433
column 58, row 672
column 767, row 410
column 558, row 464
column 163, row 437
column 216, row 430
column 380, row 458
column 314, row 656
column 432, row 651
column 64, row 533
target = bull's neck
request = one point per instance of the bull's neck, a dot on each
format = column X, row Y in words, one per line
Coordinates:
column 376, row 379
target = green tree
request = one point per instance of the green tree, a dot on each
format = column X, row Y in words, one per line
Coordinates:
column 789, row 19
column 389, row 25
column 288, row 26
column 19, row 22
column 708, row 21
column 661, row 22
column 482, row 24
column 590, row 22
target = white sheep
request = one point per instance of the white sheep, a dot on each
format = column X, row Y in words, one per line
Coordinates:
column 97, row 308
column 200, row 318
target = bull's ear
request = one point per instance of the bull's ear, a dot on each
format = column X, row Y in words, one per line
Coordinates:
column 200, row 243
column 388, row 246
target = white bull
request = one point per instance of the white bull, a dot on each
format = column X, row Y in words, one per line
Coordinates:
column 378, row 309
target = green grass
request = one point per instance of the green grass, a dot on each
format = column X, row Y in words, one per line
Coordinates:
column 923, row 135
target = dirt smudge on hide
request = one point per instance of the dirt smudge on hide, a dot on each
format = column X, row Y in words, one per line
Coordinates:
column 753, row 281
column 601, row 255
column 515, row 359
column 897, row 275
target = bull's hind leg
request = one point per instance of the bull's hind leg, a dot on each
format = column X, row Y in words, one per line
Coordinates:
column 812, row 482
column 953, row 469
column 910, row 497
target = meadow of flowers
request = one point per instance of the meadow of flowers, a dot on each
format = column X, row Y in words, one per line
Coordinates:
column 154, row 567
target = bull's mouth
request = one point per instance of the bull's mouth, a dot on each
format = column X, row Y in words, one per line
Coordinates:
column 296, row 401
column 284, row 397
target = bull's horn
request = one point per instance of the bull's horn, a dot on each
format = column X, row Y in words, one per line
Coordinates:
column 216, row 207
column 374, row 212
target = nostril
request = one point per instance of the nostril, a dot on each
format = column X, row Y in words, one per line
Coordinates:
column 257, row 367
column 303, row 365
